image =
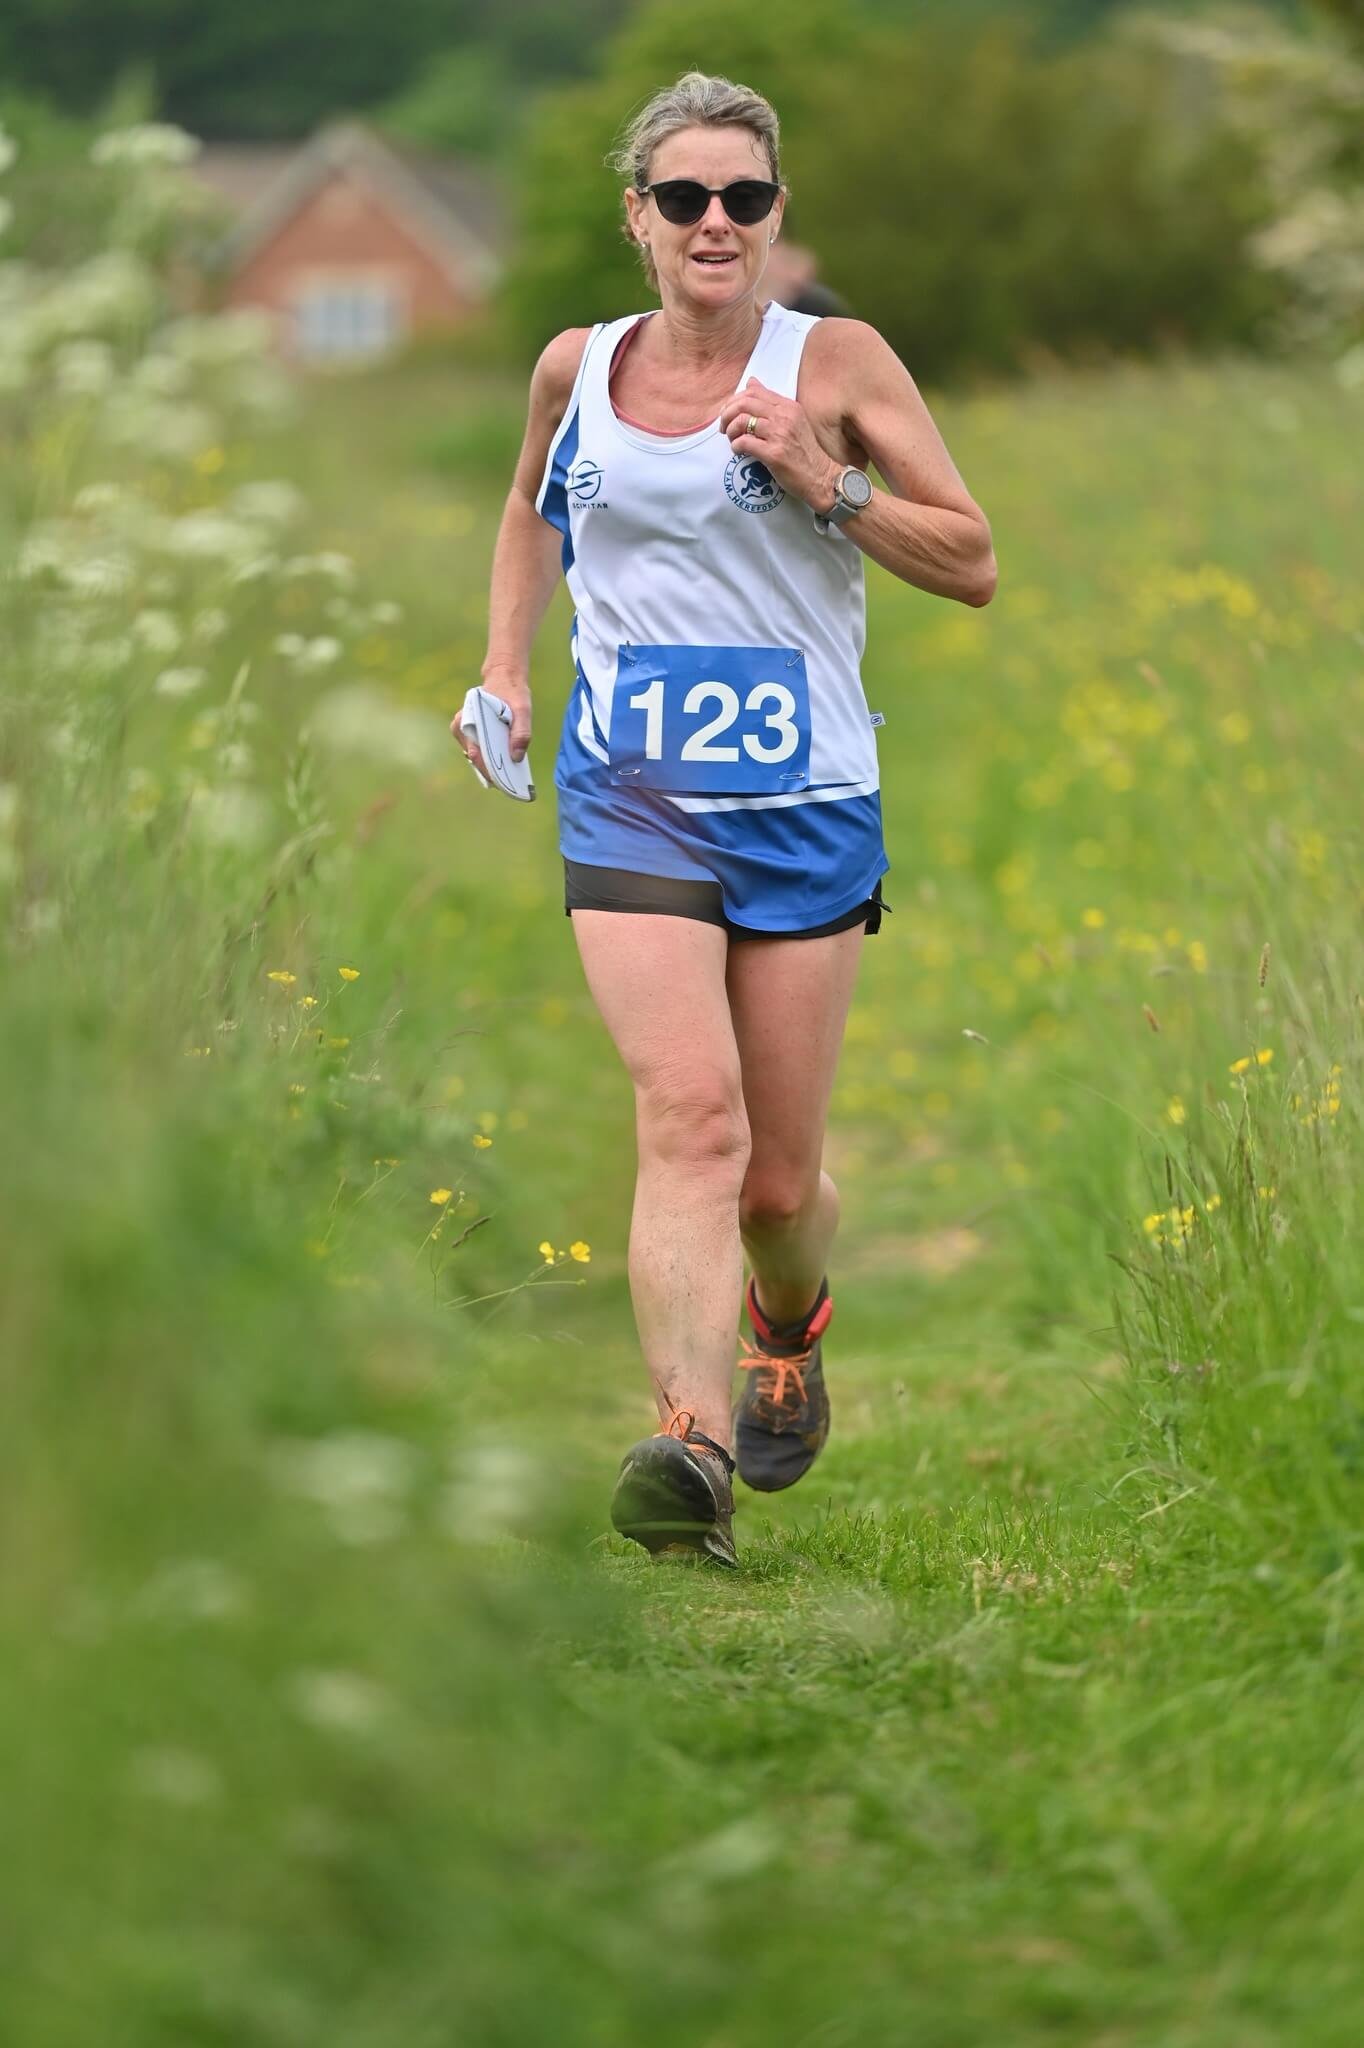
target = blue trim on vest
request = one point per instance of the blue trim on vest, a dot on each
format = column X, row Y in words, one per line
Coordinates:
column 555, row 505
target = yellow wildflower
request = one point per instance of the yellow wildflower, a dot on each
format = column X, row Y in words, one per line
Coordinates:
column 1150, row 1223
column 1264, row 1056
column 1198, row 956
column 481, row 1142
column 1213, row 1202
column 349, row 973
column 1175, row 1110
column 1095, row 919
column 1239, row 1066
column 281, row 975
column 440, row 1196
column 546, row 1250
column 580, row 1251
column 307, row 1002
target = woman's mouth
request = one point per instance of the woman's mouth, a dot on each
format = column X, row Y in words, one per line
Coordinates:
column 717, row 262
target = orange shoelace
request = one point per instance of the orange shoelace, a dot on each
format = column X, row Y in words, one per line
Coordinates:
column 784, row 1369
column 680, row 1423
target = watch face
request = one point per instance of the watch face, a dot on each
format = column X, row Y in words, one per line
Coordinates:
column 855, row 485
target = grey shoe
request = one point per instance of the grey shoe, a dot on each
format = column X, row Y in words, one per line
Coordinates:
column 781, row 1419
column 674, row 1493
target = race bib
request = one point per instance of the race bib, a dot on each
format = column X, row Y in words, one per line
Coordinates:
column 711, row 721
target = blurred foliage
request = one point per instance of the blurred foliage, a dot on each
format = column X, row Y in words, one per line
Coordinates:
column 268, row 72
column 257, row 71
column 63, row 206
column 1299, row 104
column 975, row 198
column 1348, row 14
column 469, row 101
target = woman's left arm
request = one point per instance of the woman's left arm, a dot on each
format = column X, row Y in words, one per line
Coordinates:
column 926, row 529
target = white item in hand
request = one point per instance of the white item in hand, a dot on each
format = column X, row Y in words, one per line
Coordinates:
column 487, row 720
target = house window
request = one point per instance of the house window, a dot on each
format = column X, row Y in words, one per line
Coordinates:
column 345, row 317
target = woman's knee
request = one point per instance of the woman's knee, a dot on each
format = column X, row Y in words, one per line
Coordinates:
column 776, row 1195
column 696, row 1122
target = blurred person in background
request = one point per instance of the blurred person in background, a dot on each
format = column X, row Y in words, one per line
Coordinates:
column 700, row 474
column 792, row 279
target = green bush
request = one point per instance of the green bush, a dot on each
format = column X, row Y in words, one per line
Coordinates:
column 979, row 201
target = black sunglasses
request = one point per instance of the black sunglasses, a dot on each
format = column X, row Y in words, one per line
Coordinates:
column 683, row 200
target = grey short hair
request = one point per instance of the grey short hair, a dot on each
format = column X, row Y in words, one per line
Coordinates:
column 696, row 101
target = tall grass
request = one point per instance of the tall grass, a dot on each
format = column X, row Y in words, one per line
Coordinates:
column 331, row 1714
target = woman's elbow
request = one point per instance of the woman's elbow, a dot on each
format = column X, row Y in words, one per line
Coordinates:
column 984, row 589
column 984, row 579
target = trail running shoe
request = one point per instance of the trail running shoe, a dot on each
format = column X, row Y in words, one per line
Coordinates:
column 781, row 1419
column 674, row 1493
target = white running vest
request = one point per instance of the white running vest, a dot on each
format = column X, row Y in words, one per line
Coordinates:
column 718, row 634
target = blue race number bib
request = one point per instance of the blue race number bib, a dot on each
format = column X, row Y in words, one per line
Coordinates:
column 714, row 721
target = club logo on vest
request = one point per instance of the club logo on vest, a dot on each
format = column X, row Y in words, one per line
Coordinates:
column 751, row 484
column 584, row 480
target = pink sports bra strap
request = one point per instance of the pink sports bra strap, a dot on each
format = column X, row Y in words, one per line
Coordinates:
column 663, row 432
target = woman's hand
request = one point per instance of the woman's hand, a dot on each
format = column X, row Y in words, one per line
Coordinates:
column 785, row 441
column 515, row 692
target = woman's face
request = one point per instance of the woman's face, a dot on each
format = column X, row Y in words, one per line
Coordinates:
column 714, row 262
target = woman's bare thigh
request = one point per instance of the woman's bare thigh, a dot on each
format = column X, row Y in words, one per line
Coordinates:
column 789, row 1001
column 659, row 983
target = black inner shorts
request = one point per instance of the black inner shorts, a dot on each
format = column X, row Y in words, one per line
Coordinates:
column 587, row 887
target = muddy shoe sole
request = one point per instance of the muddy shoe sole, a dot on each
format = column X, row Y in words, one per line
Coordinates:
column 665, row 1500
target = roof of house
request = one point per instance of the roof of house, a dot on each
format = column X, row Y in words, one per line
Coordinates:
column 455, row 204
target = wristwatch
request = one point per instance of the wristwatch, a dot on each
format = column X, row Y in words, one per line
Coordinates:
column 852, row 491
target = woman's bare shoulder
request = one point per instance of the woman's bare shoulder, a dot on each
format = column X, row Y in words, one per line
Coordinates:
column 551, row 387
column 557, row 366
column 838, row 339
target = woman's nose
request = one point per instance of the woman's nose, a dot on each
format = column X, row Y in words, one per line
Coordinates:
column 715, row 215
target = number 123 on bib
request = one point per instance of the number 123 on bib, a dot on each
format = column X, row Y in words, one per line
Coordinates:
column 711, row 720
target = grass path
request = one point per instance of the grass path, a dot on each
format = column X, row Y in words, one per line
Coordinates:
column 334, row 1715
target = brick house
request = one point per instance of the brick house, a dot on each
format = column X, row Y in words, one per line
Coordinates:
column 354, row 243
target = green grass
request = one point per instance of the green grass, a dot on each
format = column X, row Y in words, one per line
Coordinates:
column 331, row 1713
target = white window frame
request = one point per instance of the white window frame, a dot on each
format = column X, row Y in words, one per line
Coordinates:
column 348, row 313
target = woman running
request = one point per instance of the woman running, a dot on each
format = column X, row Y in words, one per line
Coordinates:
column 700, row 473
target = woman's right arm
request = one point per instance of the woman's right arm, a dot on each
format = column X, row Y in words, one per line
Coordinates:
column 526, row 553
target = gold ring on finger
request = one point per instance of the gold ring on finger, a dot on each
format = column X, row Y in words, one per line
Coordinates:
column 752, row 423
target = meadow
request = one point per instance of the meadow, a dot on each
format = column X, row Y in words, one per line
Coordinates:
column 333, row 1712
